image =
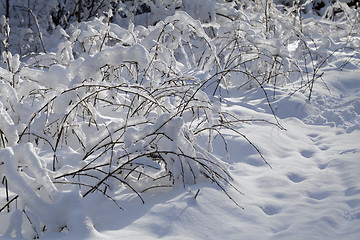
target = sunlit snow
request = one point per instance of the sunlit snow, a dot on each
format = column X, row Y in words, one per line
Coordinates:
column 180, row 120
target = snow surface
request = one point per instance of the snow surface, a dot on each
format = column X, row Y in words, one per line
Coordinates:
column 59, row 110
column 312, row 192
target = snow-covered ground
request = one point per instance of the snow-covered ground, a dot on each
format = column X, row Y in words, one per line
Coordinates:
column 233, row 124
column 311, row 192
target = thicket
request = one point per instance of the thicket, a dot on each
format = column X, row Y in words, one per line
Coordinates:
column 118, row 96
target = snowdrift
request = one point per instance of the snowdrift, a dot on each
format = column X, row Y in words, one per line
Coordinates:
column 216, row 100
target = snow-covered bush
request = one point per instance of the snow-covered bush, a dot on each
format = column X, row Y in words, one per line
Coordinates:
column 318, row 7
column 112, row 109
column 119, row 103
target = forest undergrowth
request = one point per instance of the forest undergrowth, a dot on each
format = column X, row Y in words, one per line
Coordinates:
column 128, row 99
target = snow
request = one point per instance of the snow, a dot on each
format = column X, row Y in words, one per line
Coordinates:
column 190, row 126
column 311, row 192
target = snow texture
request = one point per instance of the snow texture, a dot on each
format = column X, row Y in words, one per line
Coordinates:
column 206, row 119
